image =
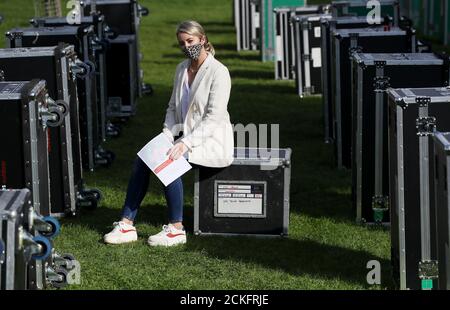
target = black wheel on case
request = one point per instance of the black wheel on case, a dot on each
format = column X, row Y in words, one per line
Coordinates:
column 147, row 89
column 91, row 66
column 112, row 132
column 102, row 160
column 63, row 282
column 63, row 106
column 91, row 203
column 86, row 70
column 70, row 259
column 110, row 155
column 59, row 119
column 96, row 194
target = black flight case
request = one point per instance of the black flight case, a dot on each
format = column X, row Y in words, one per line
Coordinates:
column 372, row 74
column 250, row 197
column 327, row 28
column 284, row 38
column 346, row 42
column 414, row 115
column 442, row 175
column 57, row 66
column 100, row 45
column 124, row 18
column 83, row 38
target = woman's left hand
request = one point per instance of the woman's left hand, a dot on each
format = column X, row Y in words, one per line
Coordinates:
column 177, row 151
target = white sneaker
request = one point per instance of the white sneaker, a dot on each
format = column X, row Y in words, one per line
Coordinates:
column 122, row 233
column 169, row 236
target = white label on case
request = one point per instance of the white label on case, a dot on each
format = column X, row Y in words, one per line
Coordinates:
column 240, row 205
column 240, row 199
column 316, row 56
column 279, row 48
column 256, row 20
column 317, row 32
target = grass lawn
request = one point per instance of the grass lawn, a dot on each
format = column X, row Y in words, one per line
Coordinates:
column 325, row 248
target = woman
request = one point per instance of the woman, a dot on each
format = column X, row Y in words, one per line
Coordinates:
column 198, row 123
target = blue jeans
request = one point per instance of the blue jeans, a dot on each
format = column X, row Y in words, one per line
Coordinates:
column 138, row 186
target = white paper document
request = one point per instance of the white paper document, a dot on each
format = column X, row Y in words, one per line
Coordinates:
column 154, row 155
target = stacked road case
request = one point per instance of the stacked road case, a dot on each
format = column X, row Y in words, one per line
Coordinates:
column 29, row 260
column 345, row 43
column 372, row 74
column 100, row 45
column 57, row 66
column 308, row 57
column 366, row 9
column 267, row 28
column 247, row 24
column 414, row 116
column 285, row 49
column 328, row 26
column 83, row 39
column 14, row 206
column 25, row 114
column 250, row 197
column 442, row 182
column 124, row 18
column 122, row 90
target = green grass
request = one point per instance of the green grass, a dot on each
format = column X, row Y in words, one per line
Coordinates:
column 325, row 248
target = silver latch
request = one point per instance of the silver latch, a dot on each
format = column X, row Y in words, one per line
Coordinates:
column 428, row 269
column 380, row 63
column 352, row 50
column 423, row 101
column 381, row 83
column 306, row 57
column 380, row 203
column 425, row 126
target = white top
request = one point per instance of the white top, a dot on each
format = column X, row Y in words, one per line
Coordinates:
column 185, row 96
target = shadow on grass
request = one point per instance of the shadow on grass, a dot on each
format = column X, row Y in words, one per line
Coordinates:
column 295, row 257
column 292, row 256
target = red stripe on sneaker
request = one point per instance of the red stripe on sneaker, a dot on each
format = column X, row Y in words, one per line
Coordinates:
column 170, row 235
column 127, row 231
column 163, row 165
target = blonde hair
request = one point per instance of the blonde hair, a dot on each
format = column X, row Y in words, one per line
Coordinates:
column 193, row 28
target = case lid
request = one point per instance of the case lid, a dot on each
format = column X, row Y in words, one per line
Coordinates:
column 12, row 200
column 406, row 96
column 48, row 31
column 377, row 30
column 11, row 90
column 103, row 2
column 14, row 90
column 257, row 156
column 37, row 21
column 359, row 3
column 298, row 9
column 349, row 20
column 310, row 18
column 28, row 51
column 442, row 140
column 409, row 59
